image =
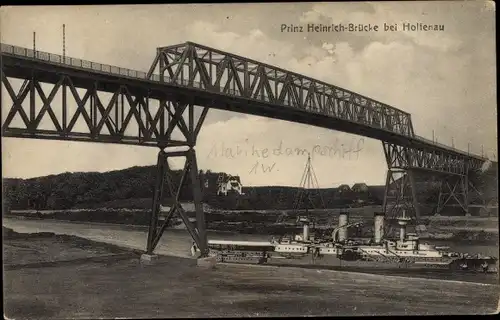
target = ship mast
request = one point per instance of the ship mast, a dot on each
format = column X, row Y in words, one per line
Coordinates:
column 308, row 182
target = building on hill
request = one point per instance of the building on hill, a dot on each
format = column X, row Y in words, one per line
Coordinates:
column 343, row 188
column 227, row 183
column 359, row 187
column 360, row 193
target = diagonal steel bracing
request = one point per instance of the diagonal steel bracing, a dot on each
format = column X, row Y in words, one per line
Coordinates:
column 426, row 159
column 190, row 131
column 401, row 190
column 220, row 80
column 69, row 110
column 459, row 191
column 217, row 71
column 400, row 195
column 164, row 179
column 95, row 111
column 454, row 190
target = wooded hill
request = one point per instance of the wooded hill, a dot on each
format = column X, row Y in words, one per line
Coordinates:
column 133, row 188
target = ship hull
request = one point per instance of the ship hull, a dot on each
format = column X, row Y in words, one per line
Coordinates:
column 333, row 261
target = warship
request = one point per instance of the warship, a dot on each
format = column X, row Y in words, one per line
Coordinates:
column 338, row 249
column 378, row 252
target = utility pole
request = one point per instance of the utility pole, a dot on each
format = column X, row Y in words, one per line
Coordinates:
column 34, row 45
column 64, row 43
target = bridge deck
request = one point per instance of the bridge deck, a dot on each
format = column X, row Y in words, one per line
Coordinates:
column 355, row 118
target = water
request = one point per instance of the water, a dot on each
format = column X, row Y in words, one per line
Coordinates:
column 178, row 242
column 173, row 242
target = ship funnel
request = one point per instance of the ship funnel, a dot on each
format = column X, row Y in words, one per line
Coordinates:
column 343, row 222
column 403, row 221
column 378, row 229
column 306, row 232
column 305, row 227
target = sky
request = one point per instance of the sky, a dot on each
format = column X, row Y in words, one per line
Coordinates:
column 445, row 79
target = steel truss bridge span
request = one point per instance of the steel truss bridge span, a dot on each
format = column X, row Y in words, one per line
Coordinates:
column 187, row 75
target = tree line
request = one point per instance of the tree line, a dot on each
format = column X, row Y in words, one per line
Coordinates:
column 92, row 189
column 133, row 188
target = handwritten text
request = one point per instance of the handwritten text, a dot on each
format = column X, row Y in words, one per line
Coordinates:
column 343, row 151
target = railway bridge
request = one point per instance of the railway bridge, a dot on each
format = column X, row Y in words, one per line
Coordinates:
column 146, row 107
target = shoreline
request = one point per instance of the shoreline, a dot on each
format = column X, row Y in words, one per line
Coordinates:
column 492, row 241
column 113, row 224
column 119, row 252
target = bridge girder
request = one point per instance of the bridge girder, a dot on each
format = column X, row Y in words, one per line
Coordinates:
column 221, row 72
column 439, row 162
column 108, row 122
column 226, row 81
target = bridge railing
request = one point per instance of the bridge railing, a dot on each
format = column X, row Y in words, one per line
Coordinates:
column 446, row 146
column 69, row 61
column 90, row 65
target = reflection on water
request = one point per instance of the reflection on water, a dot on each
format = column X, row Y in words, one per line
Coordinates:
column 173, row 242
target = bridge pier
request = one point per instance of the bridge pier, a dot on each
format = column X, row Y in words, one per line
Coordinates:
column 455, row 189
column 400, row 188
column 400, row 194
column 164, row 178
column 175, row 119
column 459, row 191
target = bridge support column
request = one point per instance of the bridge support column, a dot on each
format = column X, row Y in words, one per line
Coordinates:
column 455, row 189
column 400, row 194
column 175, row 182
column 476, row 197
column 165, row 177
column 400, row 188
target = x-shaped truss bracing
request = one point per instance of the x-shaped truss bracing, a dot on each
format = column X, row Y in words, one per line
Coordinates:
column 190, row 171
column 213, row 70
column 81, row 113
column 439, row 162
column 401, row 189
column 150, row 107
column 400, row 196
column 454, row 189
